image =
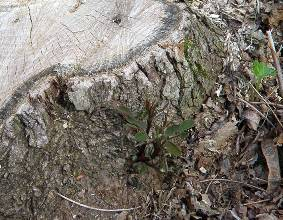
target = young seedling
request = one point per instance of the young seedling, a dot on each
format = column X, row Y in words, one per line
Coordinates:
column 154, row 140
column 261, row 71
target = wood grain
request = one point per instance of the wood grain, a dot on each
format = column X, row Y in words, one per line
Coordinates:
column 96, row 35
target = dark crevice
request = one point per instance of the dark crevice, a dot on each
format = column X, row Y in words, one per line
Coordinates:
column 142, row 69
column 174, row 63
column 63, row 99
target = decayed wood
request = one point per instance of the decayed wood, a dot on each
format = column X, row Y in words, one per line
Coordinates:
column 66, row 65
column 141, row 36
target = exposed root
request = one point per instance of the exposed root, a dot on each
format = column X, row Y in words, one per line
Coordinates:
column 93, row 208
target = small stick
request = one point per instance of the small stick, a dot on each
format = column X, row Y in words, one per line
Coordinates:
column 256, row 202
column 207, row 188
column 270, row 103
column 275, row 60
column 95, row 209
column 267, row 105
column 254, row 108
column 234, row 181
column 262, row 180
column 257, row 7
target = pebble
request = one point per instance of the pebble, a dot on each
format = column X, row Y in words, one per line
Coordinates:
column 203, row 170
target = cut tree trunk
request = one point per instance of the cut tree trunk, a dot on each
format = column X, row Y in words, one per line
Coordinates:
column 65, row 66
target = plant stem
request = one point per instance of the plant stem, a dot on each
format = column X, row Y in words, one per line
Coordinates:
column 233, row 181
column 276, row 61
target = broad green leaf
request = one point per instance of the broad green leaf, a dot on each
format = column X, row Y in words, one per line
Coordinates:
column 141, row 136
column 172, row 130
column 185, row 125
column 262, row 70
column 143, row 114
column 179, row 129
column 134, row 121
column 131, row 119
column 172, row 149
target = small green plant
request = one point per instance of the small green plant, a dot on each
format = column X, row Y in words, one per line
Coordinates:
column 261, row 70
column 153, row 140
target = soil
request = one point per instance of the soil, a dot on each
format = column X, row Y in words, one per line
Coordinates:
column 73, row 164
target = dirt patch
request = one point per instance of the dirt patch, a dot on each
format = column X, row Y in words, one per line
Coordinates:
column 84, row 160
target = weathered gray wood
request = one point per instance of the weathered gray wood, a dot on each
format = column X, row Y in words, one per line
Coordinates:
column 60, row 119
column 95, row 35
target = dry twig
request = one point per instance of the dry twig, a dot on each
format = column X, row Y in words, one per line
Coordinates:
column 263, row 99
column 234, row 181
column 255, row 109
column 270, row 103
column 256, row 202
column 276, row 61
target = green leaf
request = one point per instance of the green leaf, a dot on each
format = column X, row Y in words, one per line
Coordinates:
column 179, row 129
column 173, row 149
column 130, row 118
column 262, row 70
column 172, row 130
column 185, row 125
column 136, row 122
column 141, row 136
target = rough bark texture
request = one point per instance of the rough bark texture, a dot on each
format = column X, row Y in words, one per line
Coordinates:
column 60, row 129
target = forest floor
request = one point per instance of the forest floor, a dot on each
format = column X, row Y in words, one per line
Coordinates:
column 231, row 169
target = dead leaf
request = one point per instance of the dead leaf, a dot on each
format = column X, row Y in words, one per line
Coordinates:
column 276, row 16
column 225, row 134
column 266, row 216
column 79, row 177
column 280, row 139
column 124, row 216
column 270, row 153
column 252, row 118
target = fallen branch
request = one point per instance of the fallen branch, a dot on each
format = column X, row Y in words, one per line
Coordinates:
column 95, row 209
column 234, row 181
column 276, row 61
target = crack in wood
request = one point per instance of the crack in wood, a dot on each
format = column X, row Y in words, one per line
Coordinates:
column 31, row 28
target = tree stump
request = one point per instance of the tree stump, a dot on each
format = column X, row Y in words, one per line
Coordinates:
column 65, row 67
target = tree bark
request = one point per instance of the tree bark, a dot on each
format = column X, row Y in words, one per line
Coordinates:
column 65, row 67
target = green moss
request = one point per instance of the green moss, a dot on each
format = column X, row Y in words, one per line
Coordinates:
column 196, row 67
